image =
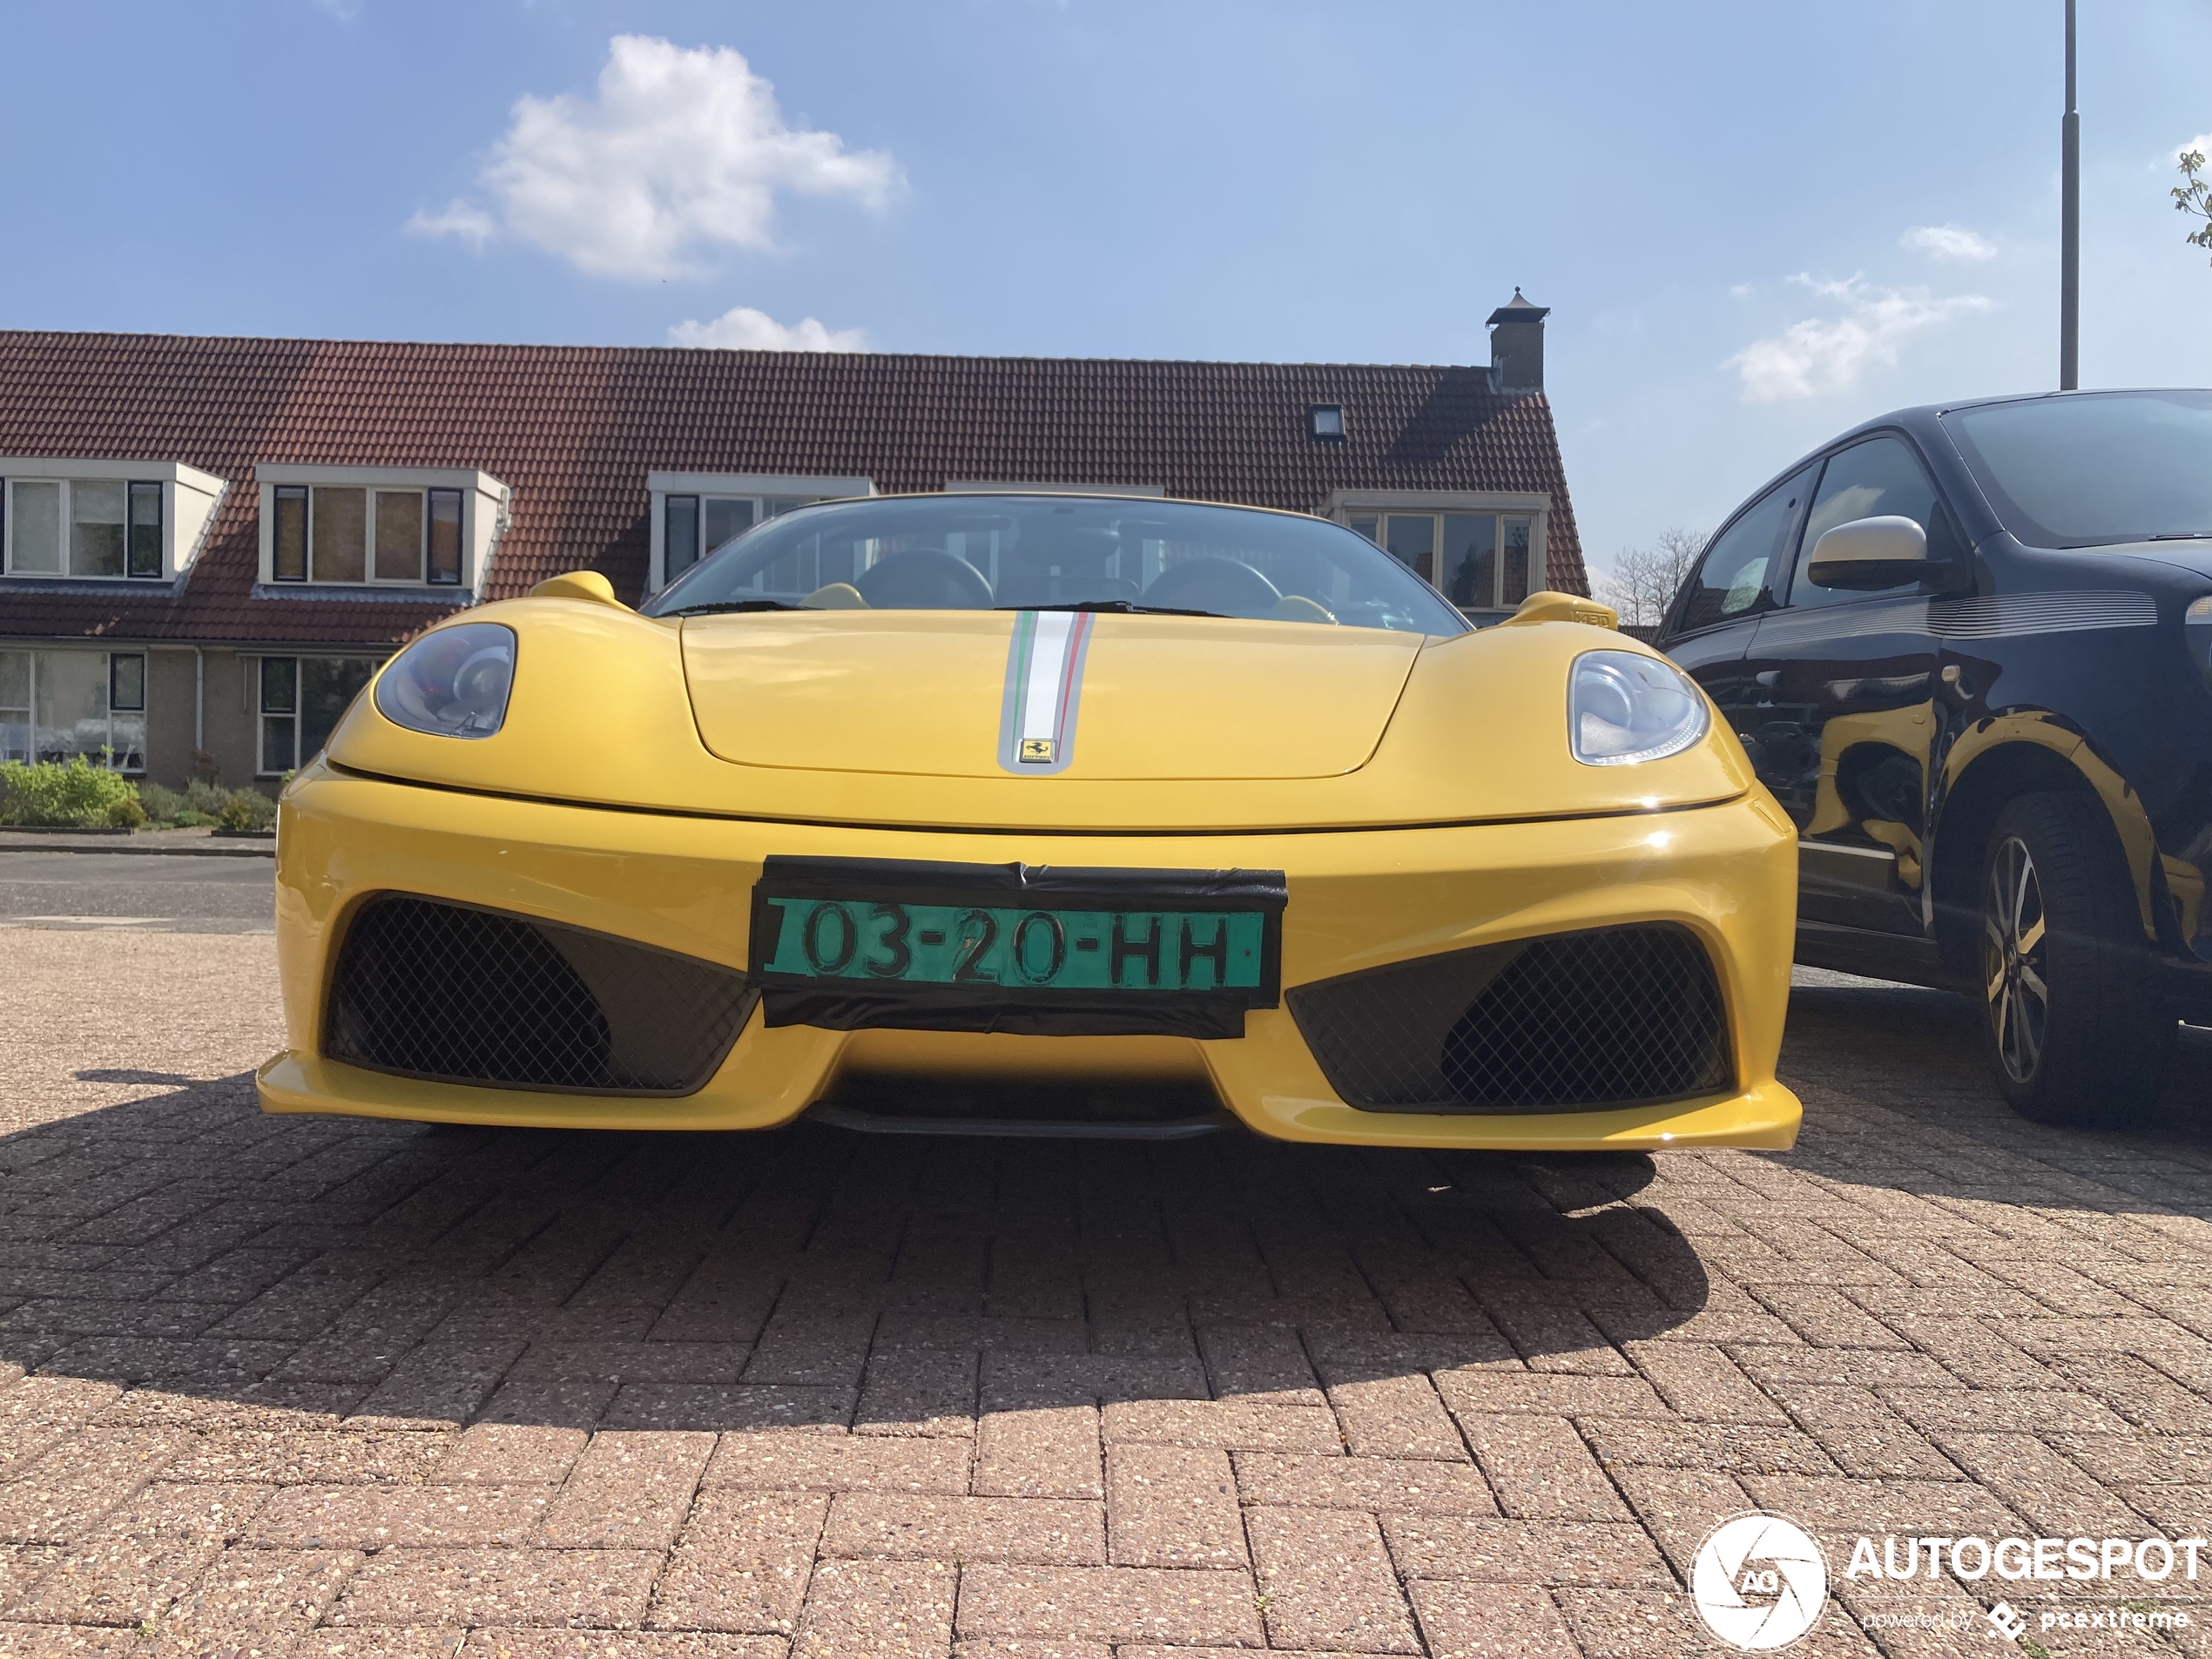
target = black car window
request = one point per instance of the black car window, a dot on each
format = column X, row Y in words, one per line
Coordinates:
column 1874, row 478
column 1735, row 576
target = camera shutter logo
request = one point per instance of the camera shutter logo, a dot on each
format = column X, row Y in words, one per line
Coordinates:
column 1759, row 1581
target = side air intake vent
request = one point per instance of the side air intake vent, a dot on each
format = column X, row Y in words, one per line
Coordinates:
column 1621, row 1016
column 429, row 988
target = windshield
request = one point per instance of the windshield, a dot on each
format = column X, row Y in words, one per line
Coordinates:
column 2085, row 471
column 1045, row 552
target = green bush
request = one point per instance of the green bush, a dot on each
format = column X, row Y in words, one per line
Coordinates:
column 127, row 813
column 74, row 794
column 202, row 804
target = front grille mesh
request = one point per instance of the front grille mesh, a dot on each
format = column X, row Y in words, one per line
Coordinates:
column 428, row 988
column 1614, row 1017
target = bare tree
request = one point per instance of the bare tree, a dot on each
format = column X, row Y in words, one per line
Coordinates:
column 1644, row 580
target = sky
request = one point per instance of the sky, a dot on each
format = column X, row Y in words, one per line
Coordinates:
column 1756, row 224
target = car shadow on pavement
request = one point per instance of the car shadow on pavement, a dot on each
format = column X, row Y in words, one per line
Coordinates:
column 426, row 1277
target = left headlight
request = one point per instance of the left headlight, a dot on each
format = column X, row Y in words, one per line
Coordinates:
column 1623, row 709
column 452, row 683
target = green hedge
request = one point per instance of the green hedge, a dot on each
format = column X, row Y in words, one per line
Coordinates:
column 72, row 794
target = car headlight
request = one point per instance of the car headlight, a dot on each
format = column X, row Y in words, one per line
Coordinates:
column 1623, row 709
column 451, row 683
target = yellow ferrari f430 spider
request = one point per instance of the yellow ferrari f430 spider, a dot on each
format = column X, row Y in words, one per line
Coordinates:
column 1042, row 814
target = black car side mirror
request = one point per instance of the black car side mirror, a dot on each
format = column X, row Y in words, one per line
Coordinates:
column 1867, row 554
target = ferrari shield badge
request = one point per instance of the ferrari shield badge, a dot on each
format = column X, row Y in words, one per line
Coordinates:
column 1037, row 751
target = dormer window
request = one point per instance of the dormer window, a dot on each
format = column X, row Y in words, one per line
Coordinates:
column 695, row 513
column 342, row 533
column 95, row 521
column 1325, row 422
column 349, row 528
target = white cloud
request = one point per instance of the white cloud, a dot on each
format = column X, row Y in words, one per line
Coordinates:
column 1740, row 291
column 682, row 151
column 457, row 218
column 742, row 329
column 1828, row 354
column 1949, row 242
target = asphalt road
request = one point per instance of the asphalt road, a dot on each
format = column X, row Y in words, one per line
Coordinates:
column 114, row 890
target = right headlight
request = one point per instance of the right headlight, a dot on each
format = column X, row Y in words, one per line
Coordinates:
column 1623, row 709
column 451, row 683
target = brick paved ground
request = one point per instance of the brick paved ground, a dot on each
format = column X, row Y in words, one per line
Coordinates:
column 328, row 1388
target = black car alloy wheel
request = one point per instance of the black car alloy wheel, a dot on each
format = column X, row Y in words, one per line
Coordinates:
column 2012, row 960
column 2076, row 1028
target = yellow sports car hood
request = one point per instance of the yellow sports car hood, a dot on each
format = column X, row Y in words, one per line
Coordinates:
column 1050, row 721
column 984, row 694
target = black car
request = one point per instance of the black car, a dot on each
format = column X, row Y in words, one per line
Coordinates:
column 1968, row 647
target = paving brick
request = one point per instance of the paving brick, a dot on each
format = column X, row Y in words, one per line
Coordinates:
column 471, row 1587
column 81, row 1479
column 741, row 1563
column 1031, row 1381
column 1473, row 1621
column 507, row 1453
column 314, row 1458
column 249, row 1599
column 1325, row 1581
column 373, row 1517
column 840, row 1463
column 1704, row 1385
column 629, row 1491
column 894, row 1609
column 1525, row 1552
column 143, row 1558
column 1230, row 1425
column 1127, row 1604
column 1541, row 1469
column 2037, row 1483
column 918, row 1391
column 1724, row 1446
column 1415, row 1486
column 1047, row 1531
column 1679, row 1506
column 1396, row 1417
column 1047, row 1453
column 2001, row 1411
column 705, row 1407
column 1488, row 1392
column 1261, row 1363
column 1171, row 1506
column 518, row 1643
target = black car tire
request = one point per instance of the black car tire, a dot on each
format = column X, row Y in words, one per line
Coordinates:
column 2078, row 1033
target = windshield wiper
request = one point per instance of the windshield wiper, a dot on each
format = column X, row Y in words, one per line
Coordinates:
column 726, row 607
column 1119, row 607
column 2182, row 535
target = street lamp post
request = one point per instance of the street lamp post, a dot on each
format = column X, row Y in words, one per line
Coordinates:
column 2070, row 230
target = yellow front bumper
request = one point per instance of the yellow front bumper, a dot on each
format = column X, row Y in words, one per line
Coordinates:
column 1358, row 899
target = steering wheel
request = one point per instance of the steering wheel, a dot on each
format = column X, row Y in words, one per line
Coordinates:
column 1213, row 583
column 925, row 579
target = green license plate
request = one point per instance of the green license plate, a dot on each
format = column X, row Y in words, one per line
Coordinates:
column 1036, row 949
column 902, row 941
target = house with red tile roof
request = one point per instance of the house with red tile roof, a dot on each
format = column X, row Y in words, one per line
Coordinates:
column 207, row 545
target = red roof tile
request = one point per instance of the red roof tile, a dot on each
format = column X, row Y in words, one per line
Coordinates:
column 574, row 430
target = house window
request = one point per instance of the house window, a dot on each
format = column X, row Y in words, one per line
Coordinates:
column 302, row 698
column 350, row 534
column 82, row 527
column 1478, row 561
column 1325, row 422
column 693, row 526
column 56, row 703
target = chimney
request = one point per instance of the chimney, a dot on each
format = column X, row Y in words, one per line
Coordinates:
column 1517, row 346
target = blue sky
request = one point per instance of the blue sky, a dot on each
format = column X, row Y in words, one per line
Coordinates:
column 1755, row 223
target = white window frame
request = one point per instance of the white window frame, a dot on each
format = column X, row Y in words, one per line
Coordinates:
column 189, row 498
column 107, row 666
column 263, row 716
column 1346, row 506
column 486, row 510
column 771, row 493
